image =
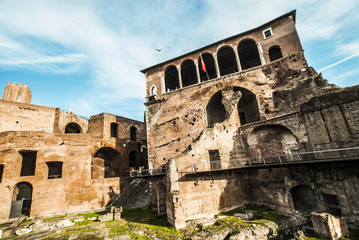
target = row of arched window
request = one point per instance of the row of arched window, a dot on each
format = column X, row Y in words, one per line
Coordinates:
column 227, row 61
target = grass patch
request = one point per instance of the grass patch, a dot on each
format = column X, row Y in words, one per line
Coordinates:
column 27, row 220
column 53, row 218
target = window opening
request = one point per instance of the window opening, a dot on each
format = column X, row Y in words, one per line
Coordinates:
column 73, row 128
column 106, row 164
column 133, row 163
column 133, row 133
column 248, row 110
column 188, row 73
column 114, row 127
column 55, row 170
column 248, row 54
column 28, row 163
column 153, row 90
column 267, row 33
column 333, row 205
column 171, row 79
column 215, row 109
column 1, row 172
column 214, row 159
column 304, row 199
column 275, row 53
column 227, row 61
column 209, row 66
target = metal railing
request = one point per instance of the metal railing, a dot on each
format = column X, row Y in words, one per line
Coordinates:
column 147, row 172
column 298, row 157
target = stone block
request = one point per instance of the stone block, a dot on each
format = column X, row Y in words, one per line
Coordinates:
column 328, row 226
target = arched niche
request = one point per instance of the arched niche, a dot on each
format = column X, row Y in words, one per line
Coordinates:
column 275, row 53
column 73, row 127
column 171, row 79
column 209, row 66
column 271, row 140
column 227, row 60
column 106, row 163
column 215, row 109
column 188, row 73
column 247, row 106
column 248, row 54
column 304, row 199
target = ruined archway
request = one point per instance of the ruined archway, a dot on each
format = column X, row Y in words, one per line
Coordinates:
column 215, row 109
column 106, row 163
column 21, row 200
column 171, row 79
column 275, row 53
column 227, row 61
column 210, row 67
column 304, row 198
column 247, row 106
column 188, row 73
column 271, row 141
column 248, row 54
column 73, row 128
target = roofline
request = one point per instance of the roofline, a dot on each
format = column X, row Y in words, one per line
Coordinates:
column 291, row 13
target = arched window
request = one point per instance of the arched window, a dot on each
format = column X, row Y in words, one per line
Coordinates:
column 153, row 90
column 73, row 128
column 106, row 163
column 133, row 133
column 209, row 66
column 188, row 73
column 21, row 200
column 216, row 112
column 171, row 79
column 227, row 61
column 247, row 106
column 275, row 53
column 248, row 54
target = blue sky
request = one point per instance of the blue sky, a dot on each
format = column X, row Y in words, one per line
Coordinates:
column 87, row 55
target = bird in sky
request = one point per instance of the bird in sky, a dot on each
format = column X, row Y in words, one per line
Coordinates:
column 159, row 50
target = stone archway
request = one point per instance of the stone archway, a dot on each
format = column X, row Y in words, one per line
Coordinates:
column 106, row 163
column 21, row 200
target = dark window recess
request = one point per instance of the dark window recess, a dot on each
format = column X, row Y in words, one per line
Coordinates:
column 1, row 172
column 114, row 127
column 28, row 163
column 227, row 61
column 248, row 54
column 55, row 170
column 242, row 118
column 333, row 205
column 214, row 159
column 133, row 133
column 73, row 128
column 133, row 163
column 275, row 53
column 188, row 73
column 171, row 79
column 267, row 33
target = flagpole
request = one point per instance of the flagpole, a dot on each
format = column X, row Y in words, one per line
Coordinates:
column 204, row 66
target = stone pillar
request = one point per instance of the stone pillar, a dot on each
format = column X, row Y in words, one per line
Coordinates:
column 179, row 77
column 217, row 67
column 197, row 72
column 237, row 60
column 260, row 51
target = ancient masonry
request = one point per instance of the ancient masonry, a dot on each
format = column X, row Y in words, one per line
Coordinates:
column 246, row 120
column 54, row 162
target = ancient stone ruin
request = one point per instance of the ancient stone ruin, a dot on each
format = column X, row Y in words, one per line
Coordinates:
column 242, row 120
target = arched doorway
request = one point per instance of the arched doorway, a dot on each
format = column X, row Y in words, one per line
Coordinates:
column 188, row 73
column 210, row 67
column 73, row 128
column 247, row 106
column 227, row 61
column 275, row 53
column 21, row 200
column 171, row 79
column 215, row 109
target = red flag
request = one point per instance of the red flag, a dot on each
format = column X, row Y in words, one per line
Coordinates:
column 203, row 65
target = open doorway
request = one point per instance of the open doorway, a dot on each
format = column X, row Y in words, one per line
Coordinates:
column 21, row 200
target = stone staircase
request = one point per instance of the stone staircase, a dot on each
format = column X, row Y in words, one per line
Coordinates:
column 135, row 195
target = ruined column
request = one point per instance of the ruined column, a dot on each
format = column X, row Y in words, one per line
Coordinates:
column 217, row 67
column 237, row 60
column 179, row 77
column 197, row 72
